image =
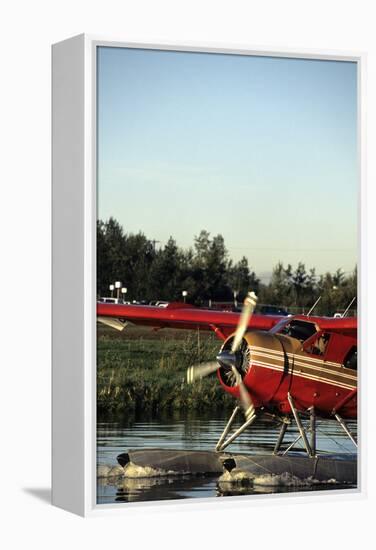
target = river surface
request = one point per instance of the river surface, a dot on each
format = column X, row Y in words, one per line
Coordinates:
column 196, row 432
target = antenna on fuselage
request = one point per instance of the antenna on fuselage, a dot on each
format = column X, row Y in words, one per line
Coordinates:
column 314, row 305
column 348, row 307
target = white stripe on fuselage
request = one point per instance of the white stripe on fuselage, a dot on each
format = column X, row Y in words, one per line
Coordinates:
column 301, row 361
column 304, row 375
column 289, row 354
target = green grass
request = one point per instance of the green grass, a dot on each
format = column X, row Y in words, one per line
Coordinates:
column 143, row 370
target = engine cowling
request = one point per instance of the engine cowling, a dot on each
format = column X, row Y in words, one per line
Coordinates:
column 262, row 362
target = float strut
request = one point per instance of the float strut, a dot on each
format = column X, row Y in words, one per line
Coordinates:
column 227, row 429
column 300, row 425
column 339, row 419
column 312, row 424
column 236, row 434
column 291, row 445
column 280, row 437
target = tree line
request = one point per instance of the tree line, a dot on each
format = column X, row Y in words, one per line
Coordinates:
column 206, row 273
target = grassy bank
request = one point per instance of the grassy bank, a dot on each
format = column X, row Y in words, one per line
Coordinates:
column 143, row 370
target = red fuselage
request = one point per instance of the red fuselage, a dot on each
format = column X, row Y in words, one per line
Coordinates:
column 278, row 364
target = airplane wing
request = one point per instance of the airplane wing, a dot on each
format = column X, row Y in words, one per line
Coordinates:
column 179, row 315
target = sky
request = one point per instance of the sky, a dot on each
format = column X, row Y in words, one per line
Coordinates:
column 262, row 150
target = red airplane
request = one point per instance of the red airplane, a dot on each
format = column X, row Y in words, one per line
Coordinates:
column 275, row 366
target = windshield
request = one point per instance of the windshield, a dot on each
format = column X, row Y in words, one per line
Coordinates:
column 295, row 328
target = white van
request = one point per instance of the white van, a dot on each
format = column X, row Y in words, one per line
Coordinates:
column 110, row 300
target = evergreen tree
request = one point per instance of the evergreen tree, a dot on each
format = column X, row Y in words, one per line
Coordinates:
column 279, row 288
column 241, row 280
column 210, row 268
column 206, row 273
column 299, row 280
column 166, row 273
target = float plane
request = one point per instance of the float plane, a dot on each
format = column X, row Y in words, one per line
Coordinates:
column 275, row 367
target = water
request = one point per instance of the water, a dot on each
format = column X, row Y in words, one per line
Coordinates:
column 198, row 432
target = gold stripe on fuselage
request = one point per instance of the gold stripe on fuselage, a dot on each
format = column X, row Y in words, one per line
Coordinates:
column 307, row 359
column 313, row 359
column 333, row 373
column 306, row 375
column 300, row 360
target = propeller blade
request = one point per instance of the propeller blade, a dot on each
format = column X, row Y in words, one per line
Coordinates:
column 246, row 314
column 246, row 401
column 200, row 371
column 244, row 397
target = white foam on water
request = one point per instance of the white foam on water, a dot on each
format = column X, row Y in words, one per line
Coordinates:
column 104, row 470
column 236, row 476
column 116, row 471
column 132, row 470
column 280, row 480
column 269, row 480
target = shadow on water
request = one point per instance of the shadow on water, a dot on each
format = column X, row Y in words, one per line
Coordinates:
column 199, row 432
column 163, row 488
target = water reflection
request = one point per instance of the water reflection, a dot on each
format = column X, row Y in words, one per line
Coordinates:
column 189, row 431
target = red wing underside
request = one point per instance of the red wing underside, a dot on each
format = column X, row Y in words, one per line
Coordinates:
column 341, row 325
column 182, row 316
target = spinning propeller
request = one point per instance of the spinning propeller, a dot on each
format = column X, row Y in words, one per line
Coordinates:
column 228, row 359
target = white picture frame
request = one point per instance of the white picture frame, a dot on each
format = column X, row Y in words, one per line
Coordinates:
column 74, row 268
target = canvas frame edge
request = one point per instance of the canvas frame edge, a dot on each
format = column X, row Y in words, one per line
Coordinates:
column 83, row 367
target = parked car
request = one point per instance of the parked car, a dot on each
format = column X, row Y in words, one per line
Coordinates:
column 110, row 300
column 273, row 310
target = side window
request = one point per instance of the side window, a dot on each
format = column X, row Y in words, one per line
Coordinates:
column 319, row 345
column 351, row 359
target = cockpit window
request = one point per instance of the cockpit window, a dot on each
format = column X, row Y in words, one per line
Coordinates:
column 296, row 328
column 351, row 360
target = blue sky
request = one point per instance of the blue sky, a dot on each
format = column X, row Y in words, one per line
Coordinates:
column 262, row 150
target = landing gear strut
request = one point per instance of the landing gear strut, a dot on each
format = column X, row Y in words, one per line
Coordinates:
column 345, row 428
column 222, row 444
column 300, row 426
column 308, row 436
column 310, row 446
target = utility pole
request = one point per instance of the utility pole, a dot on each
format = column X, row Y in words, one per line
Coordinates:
column 154, row 242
